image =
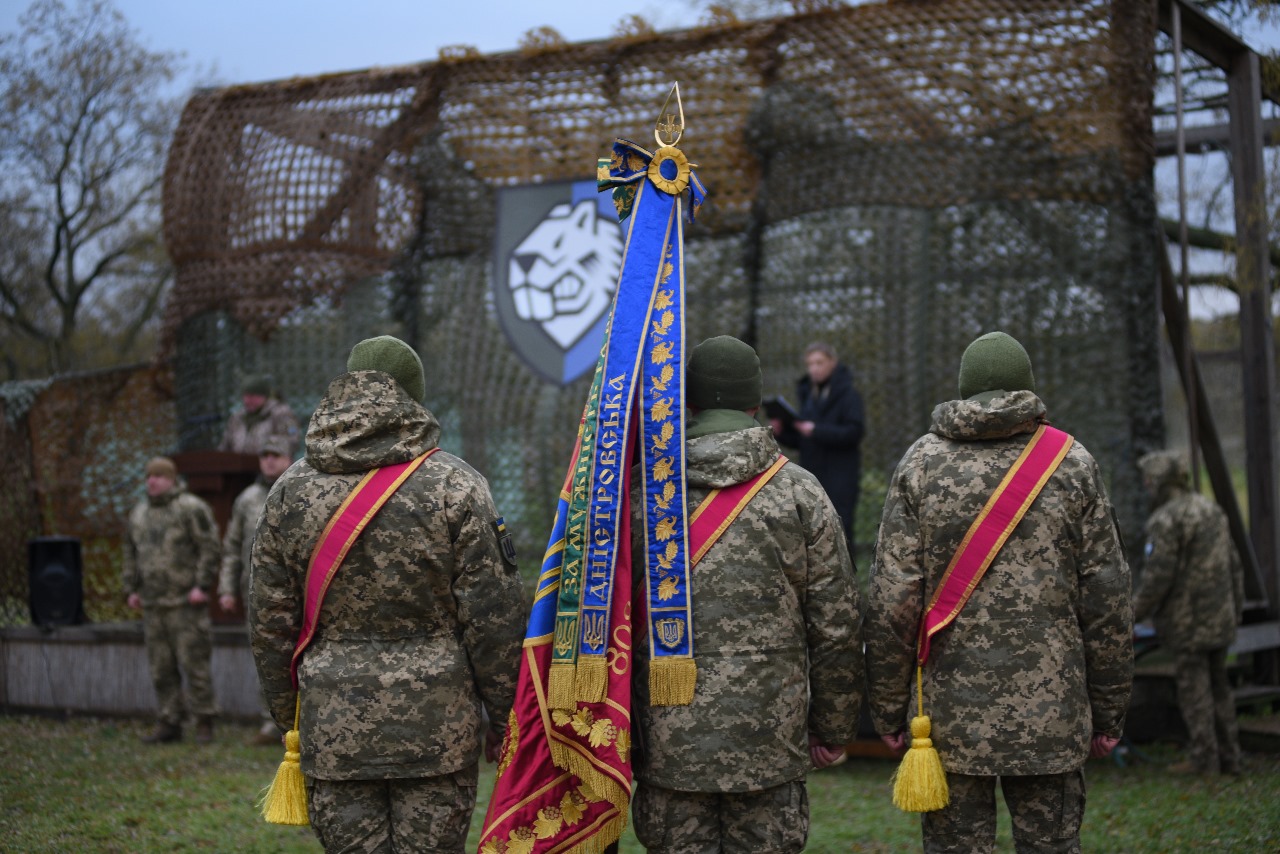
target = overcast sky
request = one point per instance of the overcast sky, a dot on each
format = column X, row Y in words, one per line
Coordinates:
column 239, row 41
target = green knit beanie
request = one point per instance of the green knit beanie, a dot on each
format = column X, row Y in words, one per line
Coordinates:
column 256, row 384
column 995, row 362
column 392, row 356
column 723, row 373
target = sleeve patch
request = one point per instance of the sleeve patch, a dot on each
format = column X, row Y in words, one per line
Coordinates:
column 505, row 544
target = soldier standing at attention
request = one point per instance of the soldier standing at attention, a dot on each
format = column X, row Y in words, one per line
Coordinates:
column 170, row 569
column 413, row 631
column 1192, row 587
column 233, row 581
column 1031, row 673
column 262, row 416
column 776, row 625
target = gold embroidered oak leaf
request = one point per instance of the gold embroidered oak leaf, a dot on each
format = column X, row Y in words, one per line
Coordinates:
column 664, row 379
column 668, row 491
column 548, row 822
column 662, row 468
column 602, row 172
column 667, row 269
column 661, row 410
column 635, row 163
column 582, row 720
column 602, row 732
column 661, row 353
column 663, row 562
column 668, row 587
column 663, row 300
column 572, row 808
column 663, row 438
column 660, row 328
column 521, row 841
column 665, row 529
column 615, row 160
column 560, row 716
column 672, row 551
column 623, row 744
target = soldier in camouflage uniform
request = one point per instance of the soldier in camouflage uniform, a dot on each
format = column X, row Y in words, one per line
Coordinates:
column 233, row 582
column 261, row 417
column 421, row 625
column 1192, row 588
column 776, row 639
column 1034, row 673
column 170, row 569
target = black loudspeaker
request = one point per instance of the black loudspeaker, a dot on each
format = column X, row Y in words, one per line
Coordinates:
column 56, row 581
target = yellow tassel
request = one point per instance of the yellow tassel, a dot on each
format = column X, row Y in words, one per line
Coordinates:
column 672, row 681
column 285, row 800
column 920, row 784
column 591, row 680
column 560, row 694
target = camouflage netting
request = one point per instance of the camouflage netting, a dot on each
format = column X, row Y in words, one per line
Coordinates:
column 75, row 452
column 895, row 179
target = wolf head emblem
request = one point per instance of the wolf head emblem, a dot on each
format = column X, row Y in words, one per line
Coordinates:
column 563, row 274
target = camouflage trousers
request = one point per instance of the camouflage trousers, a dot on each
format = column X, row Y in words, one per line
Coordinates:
column 423, row 814
column 1209, row 711
column 1046, row 812
column 180, row 644
column 771, row 821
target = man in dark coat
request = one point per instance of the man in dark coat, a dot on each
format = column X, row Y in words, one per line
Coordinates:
column 829, row 430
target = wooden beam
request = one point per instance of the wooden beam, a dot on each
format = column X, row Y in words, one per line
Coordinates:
column 1204, row 138
column 1253, row 273
column 1204, row 35
column 1215, row 462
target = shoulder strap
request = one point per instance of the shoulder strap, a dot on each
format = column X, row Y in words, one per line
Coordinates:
column 721, row 506
column 346, row 524
column 989, row 531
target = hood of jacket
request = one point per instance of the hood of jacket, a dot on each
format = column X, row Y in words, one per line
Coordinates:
column 1009, row 414
column 734, row 454
column 1165, row 473
column 366, row 420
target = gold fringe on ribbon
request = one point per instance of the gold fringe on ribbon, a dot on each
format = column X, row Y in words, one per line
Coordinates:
column 560, row 687
column 591, row 679
column 671, row 681
column 597, row 785
column 920, row 784
column 285, row 800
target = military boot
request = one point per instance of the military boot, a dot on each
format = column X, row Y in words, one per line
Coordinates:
column 204, row 730
column 163, row 733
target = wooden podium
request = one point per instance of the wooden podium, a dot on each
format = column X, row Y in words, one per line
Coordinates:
column 218, row 477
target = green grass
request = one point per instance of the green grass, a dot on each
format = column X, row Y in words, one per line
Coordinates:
column 87, row 785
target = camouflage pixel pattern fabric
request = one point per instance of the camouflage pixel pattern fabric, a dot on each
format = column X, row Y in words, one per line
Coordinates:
column 776, row 620
column 1192, row 581
column 237, row 543
column 774, row 820
column 1041, row 657
column 1046, row 812
column 246, row 432
column 1208, row 709
column 393, row 815
column 422, row 622
column 171, row 545
column 180, row 643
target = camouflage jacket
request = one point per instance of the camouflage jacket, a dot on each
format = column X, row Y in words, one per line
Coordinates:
column 171, row 546
column 246, row 432
column 776, row 622
column 1192, row 584
column 1041, row 656
column 237, row 543
column 421, row 623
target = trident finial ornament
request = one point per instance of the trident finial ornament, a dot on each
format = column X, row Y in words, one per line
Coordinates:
column 668, row 129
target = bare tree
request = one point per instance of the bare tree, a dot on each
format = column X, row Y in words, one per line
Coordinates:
column 85, row 123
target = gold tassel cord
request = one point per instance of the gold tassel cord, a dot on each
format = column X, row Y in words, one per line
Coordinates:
column 672, row 681
column 285, row 800
column 920, row 784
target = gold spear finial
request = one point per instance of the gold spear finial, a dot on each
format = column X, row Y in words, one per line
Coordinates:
column 668, row 129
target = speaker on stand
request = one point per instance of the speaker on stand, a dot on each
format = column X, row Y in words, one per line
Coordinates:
column 56, row 581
